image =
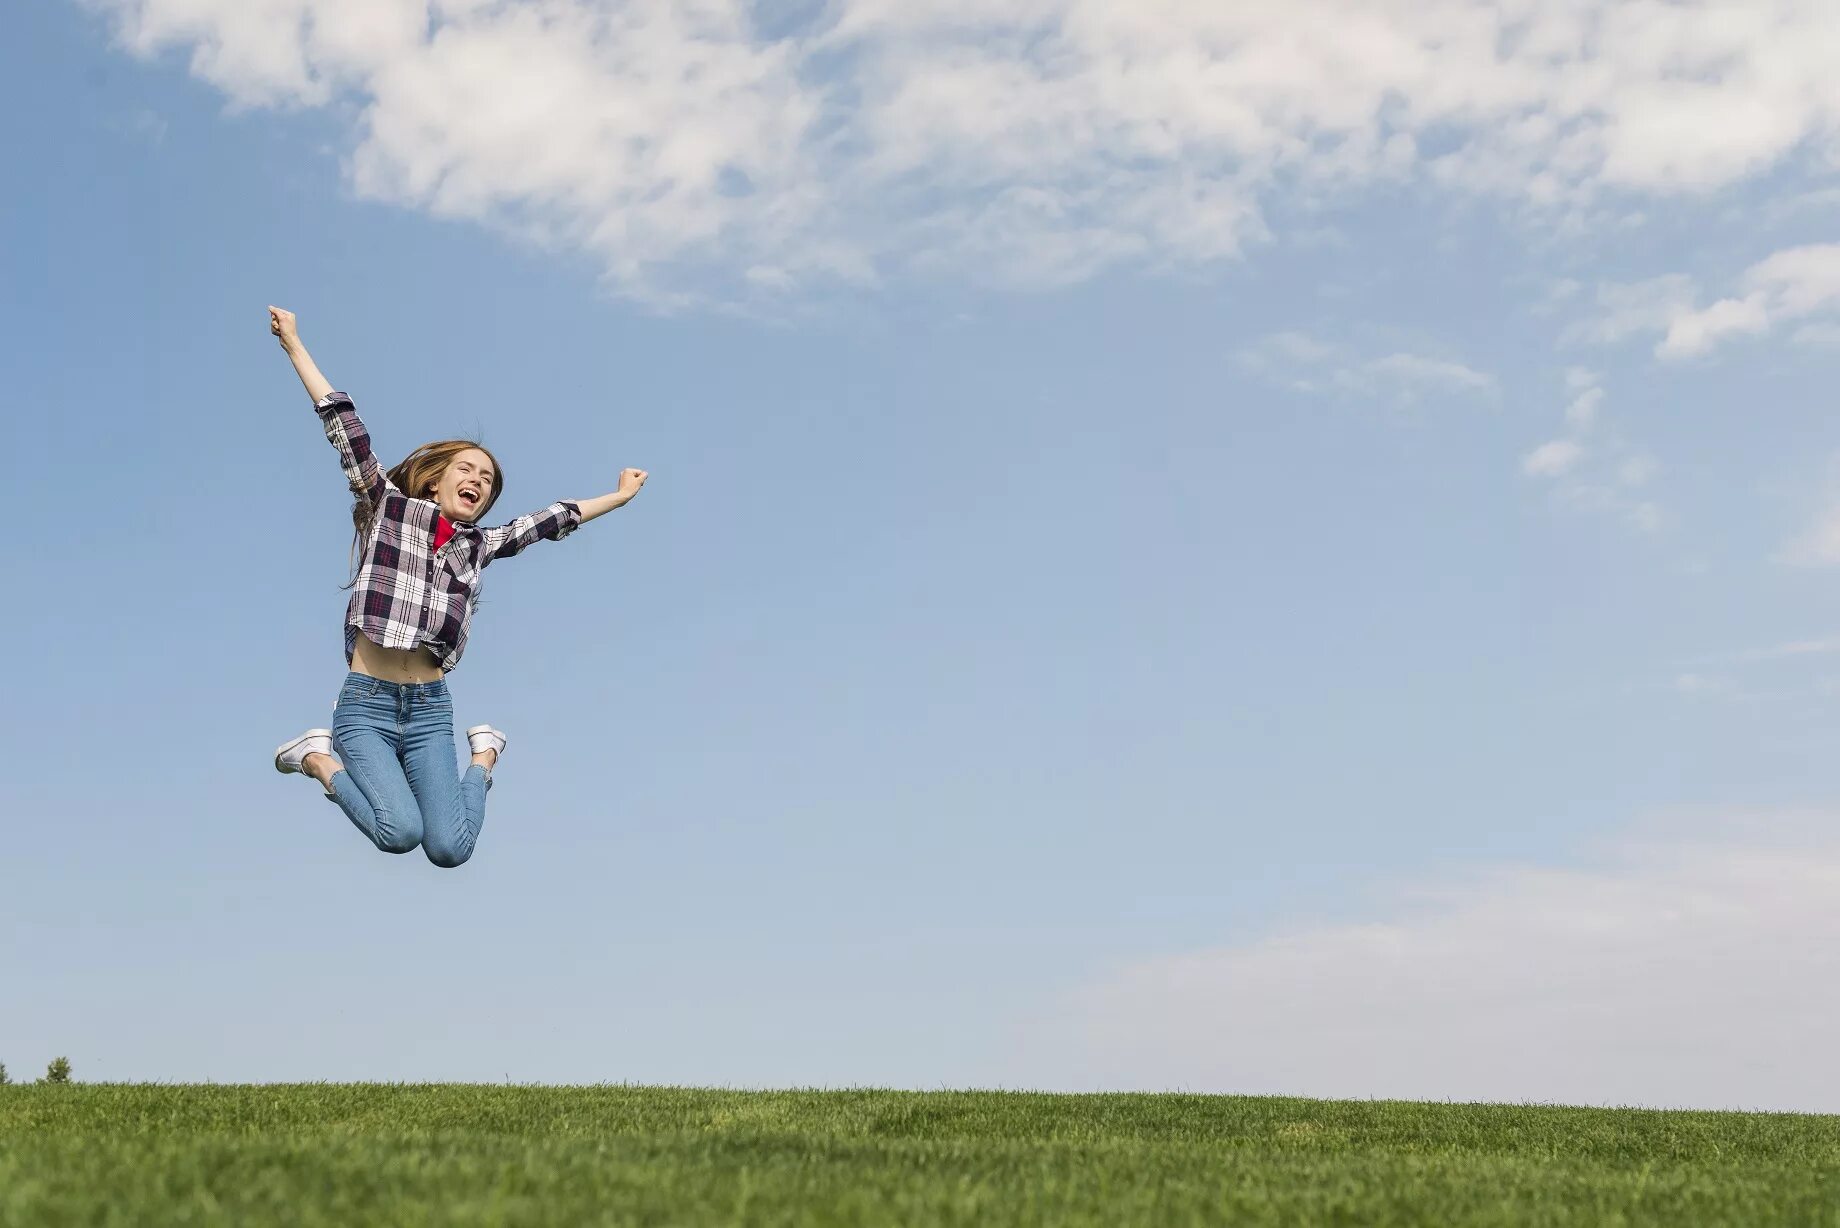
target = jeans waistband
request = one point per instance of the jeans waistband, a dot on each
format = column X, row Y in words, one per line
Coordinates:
column 411, row 690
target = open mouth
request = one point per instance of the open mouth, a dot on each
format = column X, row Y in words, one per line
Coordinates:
column 470, row 499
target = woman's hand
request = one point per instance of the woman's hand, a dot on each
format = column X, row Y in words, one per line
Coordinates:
column 283, row 325
column 630, row 482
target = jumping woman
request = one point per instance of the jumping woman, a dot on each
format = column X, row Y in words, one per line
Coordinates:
column 388, row 760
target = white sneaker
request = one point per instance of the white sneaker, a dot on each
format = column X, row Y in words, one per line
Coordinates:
column 289, row 756
column 484, row 737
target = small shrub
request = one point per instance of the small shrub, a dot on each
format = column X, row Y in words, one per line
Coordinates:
column 58, row 1071
column 3, row 1079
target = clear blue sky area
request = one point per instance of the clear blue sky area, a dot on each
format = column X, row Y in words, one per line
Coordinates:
column 969, row 641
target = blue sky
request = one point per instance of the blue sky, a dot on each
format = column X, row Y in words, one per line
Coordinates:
column 1120, row 545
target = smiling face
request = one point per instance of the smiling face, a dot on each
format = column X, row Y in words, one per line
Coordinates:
column 465, row 486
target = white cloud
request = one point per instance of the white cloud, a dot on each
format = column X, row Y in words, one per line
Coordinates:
column 1692, row 965
column 682, row 144
column 1290, row 347
column 1601, row 476
column 1817, row 545
column 1694, row 332
column 1824, row 336
column 1637, row 470
column 1416, row 369
column 1782, row 207
column 1802, row 648
column 1774, row 652
column 1648, row 517
column 1552, row 459
column 1626, row 309
column 1582, row 412
column 1788, row 285
column 1309, row 364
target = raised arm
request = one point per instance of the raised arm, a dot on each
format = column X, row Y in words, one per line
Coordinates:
column 344, row 429
column 630, row 482
column 287, row 329
column 558, row 520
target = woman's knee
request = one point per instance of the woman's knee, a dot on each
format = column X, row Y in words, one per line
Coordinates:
column 398, row 832
column 446, row 854
column 395, row 840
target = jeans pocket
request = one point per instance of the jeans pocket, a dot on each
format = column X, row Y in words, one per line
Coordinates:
column 358, row 690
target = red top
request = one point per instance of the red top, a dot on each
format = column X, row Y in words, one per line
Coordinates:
column 443, row 529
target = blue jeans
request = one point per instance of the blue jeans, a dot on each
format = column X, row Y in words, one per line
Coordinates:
column 395, row 744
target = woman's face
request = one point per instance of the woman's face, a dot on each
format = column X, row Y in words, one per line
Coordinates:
column 466, row 486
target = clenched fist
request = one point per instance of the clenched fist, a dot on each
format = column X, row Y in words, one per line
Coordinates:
column 283, row 325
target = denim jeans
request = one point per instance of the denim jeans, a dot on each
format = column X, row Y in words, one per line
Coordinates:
column 395, row 742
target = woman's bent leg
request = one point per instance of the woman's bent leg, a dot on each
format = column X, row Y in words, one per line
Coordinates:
column 371, row 786
column 453, row 809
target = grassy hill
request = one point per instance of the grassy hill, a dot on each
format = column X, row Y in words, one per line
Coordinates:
column 370, row 1154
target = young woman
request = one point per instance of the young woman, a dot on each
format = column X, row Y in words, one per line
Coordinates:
column 388, row 760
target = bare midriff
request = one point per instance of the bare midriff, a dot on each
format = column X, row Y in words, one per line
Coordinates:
column 372, row 659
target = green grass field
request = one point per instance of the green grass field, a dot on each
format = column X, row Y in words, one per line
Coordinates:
column 463, row 1155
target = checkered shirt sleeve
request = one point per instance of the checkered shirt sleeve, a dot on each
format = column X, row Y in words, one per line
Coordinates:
column 346, row 432
column 553, row 523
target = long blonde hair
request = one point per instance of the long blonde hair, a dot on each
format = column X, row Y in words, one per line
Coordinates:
column 419, row 471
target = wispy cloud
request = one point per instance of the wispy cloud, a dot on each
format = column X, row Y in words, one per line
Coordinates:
column 1819, row 336
column 1795, row 285
column 1691, row 964
column 1593, row 467
column 720, row 147
column 1554, row 458
column 1787, row 650
column 1629, row 309
column 1309, row 364
column 1789, row 285
column 1416, row 370
column 1817, row 544
column 1700, row 684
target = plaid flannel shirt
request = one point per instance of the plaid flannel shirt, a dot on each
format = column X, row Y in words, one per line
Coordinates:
column 409, row 593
